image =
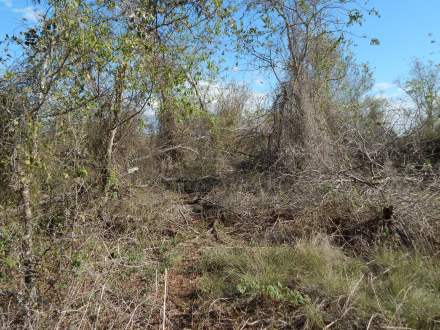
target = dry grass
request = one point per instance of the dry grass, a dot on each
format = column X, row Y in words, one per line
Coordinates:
column 265, row 251
column 106, row 270
column 313, row 285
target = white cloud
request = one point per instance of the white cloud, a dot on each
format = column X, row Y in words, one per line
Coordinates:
column 211, row 90
column 29, row 13
column 383, row 86
column 387, row 89
column 397, row 93
column 6, row 3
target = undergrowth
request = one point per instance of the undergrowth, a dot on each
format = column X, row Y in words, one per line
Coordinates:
column 324, row 286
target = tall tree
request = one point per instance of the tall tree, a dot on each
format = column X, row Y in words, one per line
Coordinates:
column 303, row 43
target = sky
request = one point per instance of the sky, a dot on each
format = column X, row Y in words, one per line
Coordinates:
column 407, row 29
column 16, row 15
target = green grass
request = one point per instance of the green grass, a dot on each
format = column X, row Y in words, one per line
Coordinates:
column 320, row 282
column 408, row 289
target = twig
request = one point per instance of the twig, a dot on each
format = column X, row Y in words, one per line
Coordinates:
column 134, row 312
column 99, row 306
column 156, row 283
column 346, row 308
column 164, row 300
column 371, row 320
column 187, row 223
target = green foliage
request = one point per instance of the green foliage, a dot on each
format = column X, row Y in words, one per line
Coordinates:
column 113, row 184
column 408, row 288
column 423, row 87
column 404, row 289
column 90, row 67
column 81, row 172
column 167, row 255
column 276, row 292
column 7, row 260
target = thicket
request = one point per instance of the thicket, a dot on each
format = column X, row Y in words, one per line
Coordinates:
column 133, row 196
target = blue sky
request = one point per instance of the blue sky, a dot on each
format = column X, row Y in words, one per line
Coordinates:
column 12, row 13
column 405, row 30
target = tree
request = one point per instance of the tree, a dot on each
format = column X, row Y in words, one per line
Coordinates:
column 98, row 63
column 423, row 89
column 303, row 43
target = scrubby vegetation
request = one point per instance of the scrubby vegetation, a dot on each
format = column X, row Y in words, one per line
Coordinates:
column 133, row 196
column 314, row 285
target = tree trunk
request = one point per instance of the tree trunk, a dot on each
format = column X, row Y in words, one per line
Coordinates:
column 24, row 179
column 117, row 108
column 168, row 128
column 27, row 257
column 315, row 136
column 300, row 134
column 109, row 160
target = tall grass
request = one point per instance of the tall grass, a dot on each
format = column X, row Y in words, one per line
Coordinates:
column 318, row 281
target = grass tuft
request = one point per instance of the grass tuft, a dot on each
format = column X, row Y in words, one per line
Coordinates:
column 316, row 280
